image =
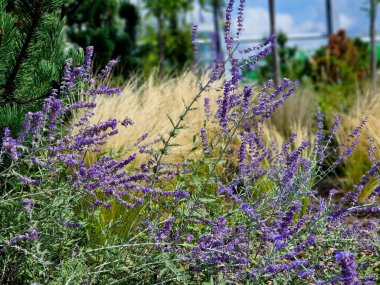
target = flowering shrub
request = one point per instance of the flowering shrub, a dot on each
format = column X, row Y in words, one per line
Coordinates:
column 248, row 215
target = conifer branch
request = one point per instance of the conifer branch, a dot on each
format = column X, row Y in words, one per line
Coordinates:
column 10, row 84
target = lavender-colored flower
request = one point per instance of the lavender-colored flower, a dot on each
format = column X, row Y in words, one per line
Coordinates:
column 306, row 273
column 127, row 122
column 320, row 136
column 227, row 26
column 68, row 81
column 164, row 232
column 87, row 63
column 104, row 72
column 349, row 274
column 168, row 249
column 253, row 59
column 218, row 68
column 206, row 150
column 27, row 204
column 288, row 217
column 270, row 40
column 223, row 247
column 207, row 107
column 374, row 171
column 141, row 139
column 9, row 145
column 30, row 235
column 103, row 90
column 235, row 71
column 70, row 224
column 348, row 150
column 53, row 108
column 181, row 194
column 242, row 151
column 274, row 269
column 369, row 279
column 240, row 18
column 224, row 106
column 372, row 146
column 28, row 180
column 25, row 127
column 332, row 193
column 375, row 192
column 189, row 237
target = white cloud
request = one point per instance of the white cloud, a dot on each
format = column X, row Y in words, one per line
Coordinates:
column 345, row 22
column 313, row 27
column 257, row 23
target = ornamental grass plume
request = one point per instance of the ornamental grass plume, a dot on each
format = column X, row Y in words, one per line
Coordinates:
column 297, row 115
column 367, row 150
column 149, row 105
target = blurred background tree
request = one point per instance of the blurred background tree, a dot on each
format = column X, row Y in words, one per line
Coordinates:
column 111, row 26
column 291, row 65
column 168, row 35
column 108, row 25
column 372, row 34
column 342, row 60
column 339, row 71
column 217, row 15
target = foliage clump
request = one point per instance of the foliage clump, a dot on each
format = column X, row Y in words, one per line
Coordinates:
column 342, row 60
column 108, row 25
column 32, row 55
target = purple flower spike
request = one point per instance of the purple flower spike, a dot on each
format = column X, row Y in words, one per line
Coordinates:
column 32, row 234
column 227, row 26
column 104, row 72
column 27, row 204
column 194, row 39
column 126, row 122
column 349, row 275
column 207, row 107
column 10, row 145
column 240, row 18
column 206, row 150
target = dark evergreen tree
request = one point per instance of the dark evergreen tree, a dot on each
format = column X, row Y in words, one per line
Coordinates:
column 109, row 26
column 31, row 56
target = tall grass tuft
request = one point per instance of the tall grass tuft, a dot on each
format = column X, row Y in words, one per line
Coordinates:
column 150, row 105
column 297, row 115
column 367, row 105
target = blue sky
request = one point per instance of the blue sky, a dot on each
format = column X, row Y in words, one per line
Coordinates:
column 310, row 15
column 302, row 16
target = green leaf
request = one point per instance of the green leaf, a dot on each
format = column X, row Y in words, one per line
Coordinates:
column 174, row 133
column 207, row 200
column 171, row 121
